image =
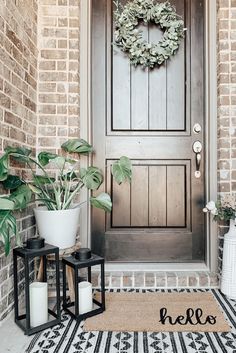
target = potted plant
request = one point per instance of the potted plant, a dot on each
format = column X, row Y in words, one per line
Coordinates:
column 225, row 210
column 57, row 216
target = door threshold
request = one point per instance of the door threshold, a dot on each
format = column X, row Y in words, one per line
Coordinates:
column 196, row 266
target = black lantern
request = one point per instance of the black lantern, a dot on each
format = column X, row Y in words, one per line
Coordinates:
column 36, row 315
column 77, row 308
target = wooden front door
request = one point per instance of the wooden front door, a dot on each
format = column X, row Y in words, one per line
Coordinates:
column 153, row 117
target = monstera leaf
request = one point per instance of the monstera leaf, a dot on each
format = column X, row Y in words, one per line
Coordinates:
column 4, row 167
column 45, row 157
column 77, row 145
column 6, row 204
column 18, row 150
column 102, row 201
column 20, row 154
column 91, row 177
column 12, row 182
column 121, row 170
column 8, row 227
column 21, row 197
column 41, row 179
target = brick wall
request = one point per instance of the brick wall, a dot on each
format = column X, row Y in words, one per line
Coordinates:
column 18, row 98
column 58, row 90
column 226, row 103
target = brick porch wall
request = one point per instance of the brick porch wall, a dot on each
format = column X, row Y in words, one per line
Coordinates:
column 58, row 89
column 18, row 118
column 226, row 104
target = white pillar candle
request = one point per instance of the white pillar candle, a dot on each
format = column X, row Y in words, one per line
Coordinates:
column 38, row 303
column 85, row 297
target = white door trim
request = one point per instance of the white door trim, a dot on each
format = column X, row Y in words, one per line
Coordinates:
column 85, row 110
column 211, row 126
column 210, row 109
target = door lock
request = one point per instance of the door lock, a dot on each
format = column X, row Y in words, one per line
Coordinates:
column 197, row 128
column 197, row 148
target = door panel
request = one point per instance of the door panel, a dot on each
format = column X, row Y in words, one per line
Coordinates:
column 155, row 99
column 157, row 196
column 148, row 115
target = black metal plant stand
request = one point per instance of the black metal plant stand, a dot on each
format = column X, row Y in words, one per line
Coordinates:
column 27, row 254
column 77, row 265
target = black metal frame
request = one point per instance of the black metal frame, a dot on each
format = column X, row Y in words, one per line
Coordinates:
column 23, row 321
column 72, row 262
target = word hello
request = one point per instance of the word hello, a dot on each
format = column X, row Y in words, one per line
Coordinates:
column 192, row 317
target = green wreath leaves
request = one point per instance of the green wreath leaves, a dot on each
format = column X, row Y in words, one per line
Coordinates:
column 129, row 38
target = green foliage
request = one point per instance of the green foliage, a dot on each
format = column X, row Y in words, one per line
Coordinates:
column 17, row 200
column 8, row 227
column 122, row 170
column 42, row 180
column 4, row 167
column 78, row 146
column 102, row 201
column 224, row 213
column 18, row 151
column 45, row 157
column 6, row 203
column 222, row 210
column 91, row 177
column 54, row 193
column 12, row 182
column 21, row 197
column 130, row 39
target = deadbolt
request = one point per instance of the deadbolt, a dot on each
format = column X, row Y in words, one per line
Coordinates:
column 197, row 128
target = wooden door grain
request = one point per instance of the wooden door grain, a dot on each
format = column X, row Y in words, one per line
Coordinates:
column 148, row 115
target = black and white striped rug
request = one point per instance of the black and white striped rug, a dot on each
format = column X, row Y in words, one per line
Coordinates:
column 68, row 337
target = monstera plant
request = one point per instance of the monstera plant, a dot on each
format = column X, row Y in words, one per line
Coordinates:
column 56, row 194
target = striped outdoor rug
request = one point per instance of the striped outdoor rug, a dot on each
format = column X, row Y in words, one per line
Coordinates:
column 68, row 337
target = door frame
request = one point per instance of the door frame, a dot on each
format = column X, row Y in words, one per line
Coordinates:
column 210, row 115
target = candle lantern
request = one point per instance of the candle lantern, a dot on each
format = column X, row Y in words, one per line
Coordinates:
column 36, row 315
column 82, row 304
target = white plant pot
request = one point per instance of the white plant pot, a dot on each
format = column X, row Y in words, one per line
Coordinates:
column 58, row 228
column 228, row 278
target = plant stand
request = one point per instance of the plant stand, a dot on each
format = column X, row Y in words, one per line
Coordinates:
column 228, row 280
column 69, row 270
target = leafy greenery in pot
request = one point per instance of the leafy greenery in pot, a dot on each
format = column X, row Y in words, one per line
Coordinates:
column 222, row 210
column 55, row 193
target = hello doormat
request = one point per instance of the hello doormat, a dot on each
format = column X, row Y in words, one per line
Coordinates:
column 68, row 336
column 159, row 312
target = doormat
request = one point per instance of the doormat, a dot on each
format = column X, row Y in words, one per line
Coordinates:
column 69, row 337
column 159, row 312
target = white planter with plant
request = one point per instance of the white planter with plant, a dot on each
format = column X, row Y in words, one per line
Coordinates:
column 225, row 210
column 58, row 228
column 58, row 218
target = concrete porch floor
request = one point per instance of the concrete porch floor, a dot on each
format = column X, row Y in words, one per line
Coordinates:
column 12, row 337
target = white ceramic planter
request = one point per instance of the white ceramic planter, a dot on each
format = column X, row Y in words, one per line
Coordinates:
column 59, row 228
column 228, row 279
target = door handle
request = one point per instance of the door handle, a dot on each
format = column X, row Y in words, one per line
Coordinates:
column 197, row 148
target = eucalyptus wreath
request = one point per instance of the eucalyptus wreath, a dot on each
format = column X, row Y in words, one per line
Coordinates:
column 130, row 39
